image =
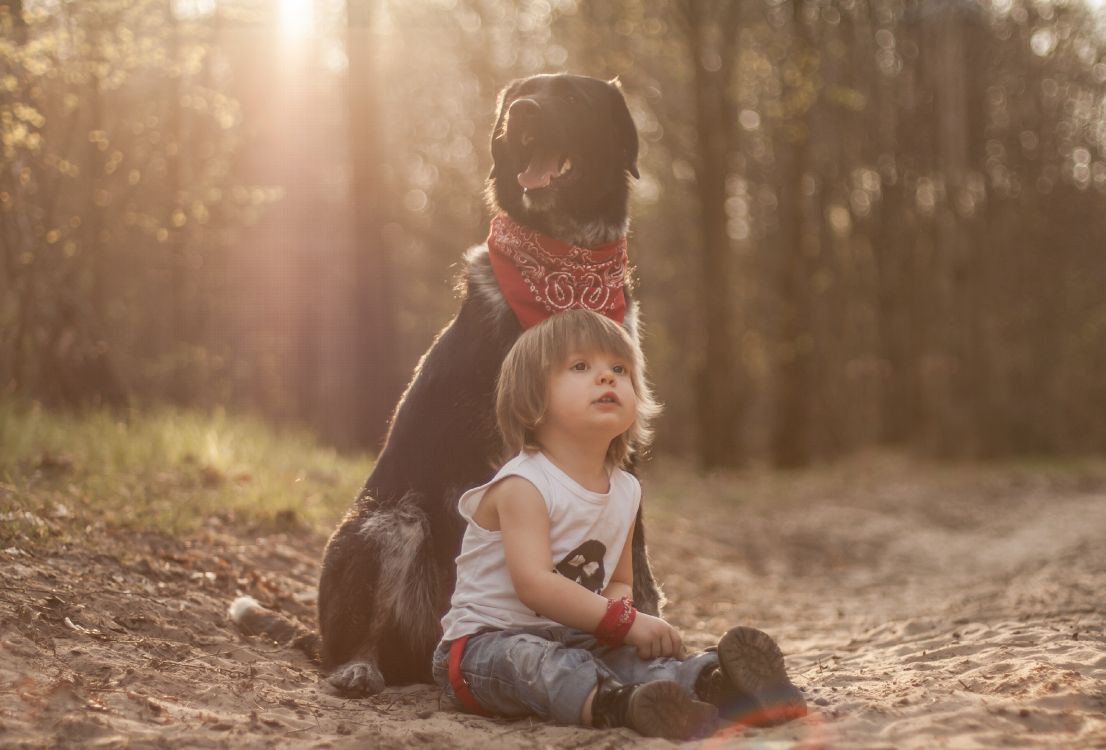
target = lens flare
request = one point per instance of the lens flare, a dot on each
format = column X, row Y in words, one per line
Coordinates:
column 788, row 732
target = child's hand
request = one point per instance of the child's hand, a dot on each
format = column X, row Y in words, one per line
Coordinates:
column 655, row 638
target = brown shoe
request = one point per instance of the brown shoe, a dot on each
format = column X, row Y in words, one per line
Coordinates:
column 750, row 684
column 653, row 709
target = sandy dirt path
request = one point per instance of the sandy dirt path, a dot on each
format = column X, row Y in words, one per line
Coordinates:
column 917, row 609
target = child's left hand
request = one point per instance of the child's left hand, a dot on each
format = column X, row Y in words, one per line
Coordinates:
column 655, row 638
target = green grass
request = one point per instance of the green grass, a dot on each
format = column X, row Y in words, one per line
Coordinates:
column 164, row 470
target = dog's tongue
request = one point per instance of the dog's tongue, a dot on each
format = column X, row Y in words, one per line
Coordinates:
column 541, row 169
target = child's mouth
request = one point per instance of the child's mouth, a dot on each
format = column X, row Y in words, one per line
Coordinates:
column 607, row 398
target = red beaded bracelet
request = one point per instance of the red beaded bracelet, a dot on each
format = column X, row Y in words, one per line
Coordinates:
column 616, row 623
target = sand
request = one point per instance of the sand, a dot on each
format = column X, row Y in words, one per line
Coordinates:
column 919, row 607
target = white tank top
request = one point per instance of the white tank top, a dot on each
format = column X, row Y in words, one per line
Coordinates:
column 587, row 531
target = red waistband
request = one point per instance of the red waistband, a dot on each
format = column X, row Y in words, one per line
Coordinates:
column 457, row 680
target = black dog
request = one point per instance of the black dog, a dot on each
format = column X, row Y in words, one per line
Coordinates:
column 388, row 570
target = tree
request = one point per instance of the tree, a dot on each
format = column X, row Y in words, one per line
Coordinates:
column 375, row 359
column 712, row 37
column 795, row 245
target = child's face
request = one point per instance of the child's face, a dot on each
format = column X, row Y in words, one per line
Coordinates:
column 591, row 395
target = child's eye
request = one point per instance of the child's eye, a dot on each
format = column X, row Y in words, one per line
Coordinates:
column 581, row 366
column 619, row 369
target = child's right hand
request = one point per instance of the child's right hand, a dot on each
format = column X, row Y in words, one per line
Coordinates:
column 654, row 638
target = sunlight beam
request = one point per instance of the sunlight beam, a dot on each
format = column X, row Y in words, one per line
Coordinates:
column 297, row 17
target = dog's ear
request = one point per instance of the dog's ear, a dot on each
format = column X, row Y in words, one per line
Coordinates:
column 505, row 95
column 624, row 124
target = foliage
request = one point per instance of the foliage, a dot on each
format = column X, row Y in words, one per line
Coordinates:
column 859, row 222
column 912, row 202
column 116, row 202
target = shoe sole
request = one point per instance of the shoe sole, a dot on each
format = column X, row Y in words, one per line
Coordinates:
column 754, row 665
column 664, row 709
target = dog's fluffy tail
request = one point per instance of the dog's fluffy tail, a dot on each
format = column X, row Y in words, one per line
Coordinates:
column 254, row 619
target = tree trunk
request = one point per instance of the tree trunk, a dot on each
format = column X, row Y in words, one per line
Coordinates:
column 899, row 393
column 179, row 334
column 795, row 364
column 719, row 378
column 959, row 100
column 375, row 351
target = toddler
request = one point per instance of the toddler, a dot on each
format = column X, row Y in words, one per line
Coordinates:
column 541, row 621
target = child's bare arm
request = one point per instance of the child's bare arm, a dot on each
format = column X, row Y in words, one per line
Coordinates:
column 524, row 521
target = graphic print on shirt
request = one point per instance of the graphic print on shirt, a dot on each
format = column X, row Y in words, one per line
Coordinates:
column 585, row 565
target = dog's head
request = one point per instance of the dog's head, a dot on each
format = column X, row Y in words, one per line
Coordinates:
column 563, row 148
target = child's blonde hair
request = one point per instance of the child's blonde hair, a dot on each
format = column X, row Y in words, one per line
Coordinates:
column 522, row 393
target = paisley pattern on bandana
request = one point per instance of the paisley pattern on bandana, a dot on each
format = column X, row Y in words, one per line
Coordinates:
column 541, row 276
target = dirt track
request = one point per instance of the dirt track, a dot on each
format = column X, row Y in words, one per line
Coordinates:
column 961, row 610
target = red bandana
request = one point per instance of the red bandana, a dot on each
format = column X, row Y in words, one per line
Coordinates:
column 541, row 276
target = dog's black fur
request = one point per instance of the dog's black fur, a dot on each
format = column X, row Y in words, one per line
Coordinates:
column 388, row 570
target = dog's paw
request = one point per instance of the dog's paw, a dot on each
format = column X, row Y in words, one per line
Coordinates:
column 357, row 678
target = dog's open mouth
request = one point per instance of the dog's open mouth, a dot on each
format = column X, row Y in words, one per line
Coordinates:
column 544, row 167
column 543, row 163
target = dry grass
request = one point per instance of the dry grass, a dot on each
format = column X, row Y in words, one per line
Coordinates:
column 168, row 471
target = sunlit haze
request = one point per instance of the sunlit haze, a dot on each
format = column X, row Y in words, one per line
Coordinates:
column 297, row 17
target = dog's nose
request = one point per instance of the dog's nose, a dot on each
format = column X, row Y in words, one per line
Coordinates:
column 523, row 109
column 522, row 121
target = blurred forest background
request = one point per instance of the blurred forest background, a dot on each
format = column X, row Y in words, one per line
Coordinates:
column 859, row 222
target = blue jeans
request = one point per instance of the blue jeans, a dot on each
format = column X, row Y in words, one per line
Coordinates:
column 550, row 671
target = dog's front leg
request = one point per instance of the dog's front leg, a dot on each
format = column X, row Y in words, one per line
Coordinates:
column 359, row 676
